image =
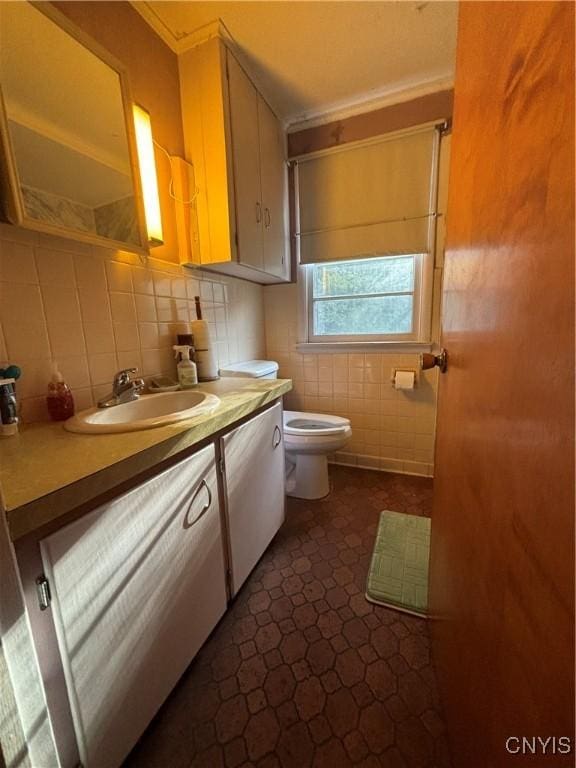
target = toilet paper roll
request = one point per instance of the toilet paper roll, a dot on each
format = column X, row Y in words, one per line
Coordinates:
column 201, row 331
column 404, row 380
column 205, row 354
column 207, row 365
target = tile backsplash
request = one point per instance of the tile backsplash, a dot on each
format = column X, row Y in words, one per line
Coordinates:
column 95, row 311
column 392, row 429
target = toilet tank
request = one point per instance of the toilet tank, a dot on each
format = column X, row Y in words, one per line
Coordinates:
column 254, row 369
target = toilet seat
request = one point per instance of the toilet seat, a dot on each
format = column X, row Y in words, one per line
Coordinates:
column 298, row 424
column 308, row 440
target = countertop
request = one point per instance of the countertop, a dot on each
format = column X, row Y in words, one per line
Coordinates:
column 46, row 471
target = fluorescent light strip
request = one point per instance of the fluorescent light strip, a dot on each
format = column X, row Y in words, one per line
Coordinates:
column 147, row 163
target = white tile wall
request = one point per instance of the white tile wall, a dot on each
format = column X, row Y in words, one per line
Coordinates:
column 95, row 311
column 392, row 429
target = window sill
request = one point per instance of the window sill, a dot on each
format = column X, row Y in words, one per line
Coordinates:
column 337, row 347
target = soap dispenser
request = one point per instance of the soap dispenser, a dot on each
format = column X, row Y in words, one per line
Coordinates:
column 187, row 373
column 59, row 399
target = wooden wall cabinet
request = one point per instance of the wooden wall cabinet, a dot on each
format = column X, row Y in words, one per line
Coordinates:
column 237, row 146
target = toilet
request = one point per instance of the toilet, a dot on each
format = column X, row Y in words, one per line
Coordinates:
column 308, row 437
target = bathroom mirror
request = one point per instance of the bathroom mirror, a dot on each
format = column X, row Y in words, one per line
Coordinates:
column 68, row 158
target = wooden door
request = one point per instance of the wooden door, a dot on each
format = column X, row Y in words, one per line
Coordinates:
column 273, row 175
column 137, row 585
column 246, row 160
column 502, row 558
column 254, row 469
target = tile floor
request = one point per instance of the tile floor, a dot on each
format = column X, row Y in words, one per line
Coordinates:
column 302, row 671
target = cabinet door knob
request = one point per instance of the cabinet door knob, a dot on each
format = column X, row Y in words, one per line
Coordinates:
column 276, row 437
column 266, row 217
column 258, row 213
column 189, row 523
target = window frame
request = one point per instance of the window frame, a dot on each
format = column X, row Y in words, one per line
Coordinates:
column 421, row 309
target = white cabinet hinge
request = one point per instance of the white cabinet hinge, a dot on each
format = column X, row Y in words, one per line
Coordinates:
column 222, row 466
column 44, row 594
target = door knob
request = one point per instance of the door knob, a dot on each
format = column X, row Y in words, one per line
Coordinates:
column 427, row 361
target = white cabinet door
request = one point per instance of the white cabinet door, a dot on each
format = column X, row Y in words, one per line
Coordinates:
column 246, row 160
column 254, row 465
column 137, row 586
column 273, row 174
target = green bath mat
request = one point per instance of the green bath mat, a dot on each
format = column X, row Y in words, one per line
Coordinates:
column 398, row 576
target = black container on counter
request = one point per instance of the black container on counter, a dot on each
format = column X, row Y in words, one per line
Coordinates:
column 186, row 339
column 8, row 408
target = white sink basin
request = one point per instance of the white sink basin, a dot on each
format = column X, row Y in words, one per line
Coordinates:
column 145, row 413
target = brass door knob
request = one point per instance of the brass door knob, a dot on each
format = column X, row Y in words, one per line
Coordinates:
column 428, row 360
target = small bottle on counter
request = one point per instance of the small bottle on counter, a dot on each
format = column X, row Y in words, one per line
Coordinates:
column 59, row 399
column 186, row 339
column 187, row 373
column 8, row 408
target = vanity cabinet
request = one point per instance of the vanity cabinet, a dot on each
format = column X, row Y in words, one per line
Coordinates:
column 137, row 586
column 254, row 471
column 122, row 598
column 237, row 146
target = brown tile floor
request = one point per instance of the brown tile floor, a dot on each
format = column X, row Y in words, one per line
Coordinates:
column 302, row 671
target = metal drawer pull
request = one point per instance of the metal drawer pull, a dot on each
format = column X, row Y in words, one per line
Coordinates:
column 205, row 508
column 267, row 217
column 276, row 437
column 258, row 213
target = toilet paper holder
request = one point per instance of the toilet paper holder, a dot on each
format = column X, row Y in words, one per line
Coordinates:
column 394, row 371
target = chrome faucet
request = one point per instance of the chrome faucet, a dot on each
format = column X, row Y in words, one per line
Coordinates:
column 124, row 389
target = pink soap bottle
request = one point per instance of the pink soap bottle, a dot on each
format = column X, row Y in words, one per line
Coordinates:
column 59, row 399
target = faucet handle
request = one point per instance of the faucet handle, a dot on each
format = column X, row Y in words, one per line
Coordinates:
column 123, row 376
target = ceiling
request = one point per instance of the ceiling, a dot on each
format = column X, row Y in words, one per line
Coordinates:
column 313, row 58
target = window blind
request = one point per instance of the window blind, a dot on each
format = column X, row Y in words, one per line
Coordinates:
column 376, row 198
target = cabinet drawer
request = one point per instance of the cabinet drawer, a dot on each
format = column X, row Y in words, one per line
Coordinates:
column 137, row 586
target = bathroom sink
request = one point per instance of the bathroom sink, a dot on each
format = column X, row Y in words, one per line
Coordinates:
column 145, row 413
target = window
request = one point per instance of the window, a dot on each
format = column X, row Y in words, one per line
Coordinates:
column 366, row 231
column 374, row 299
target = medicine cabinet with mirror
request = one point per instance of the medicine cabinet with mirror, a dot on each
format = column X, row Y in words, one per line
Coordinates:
column 68, row 159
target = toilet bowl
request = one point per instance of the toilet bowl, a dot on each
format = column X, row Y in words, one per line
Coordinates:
column 308, row 439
